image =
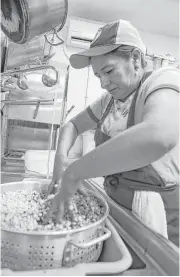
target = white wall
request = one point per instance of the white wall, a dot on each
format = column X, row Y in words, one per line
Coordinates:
column 161, row 44
column 84, row 88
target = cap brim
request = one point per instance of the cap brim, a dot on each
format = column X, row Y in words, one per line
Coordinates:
column 82, row 59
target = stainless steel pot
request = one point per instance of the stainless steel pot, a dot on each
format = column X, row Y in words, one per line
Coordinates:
column 23, row 20
column 4, row 51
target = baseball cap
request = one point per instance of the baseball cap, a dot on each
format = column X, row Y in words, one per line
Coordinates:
column 108, row 38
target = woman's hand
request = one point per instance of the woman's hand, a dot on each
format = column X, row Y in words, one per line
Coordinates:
column 62, row 199
column 60, row 164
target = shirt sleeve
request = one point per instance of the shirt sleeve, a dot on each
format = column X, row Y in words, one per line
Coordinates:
column 96, row 109
column 163, row 78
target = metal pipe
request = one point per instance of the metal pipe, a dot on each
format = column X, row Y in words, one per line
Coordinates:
column 13, row 159
column 13, row 163
column 20, row 174
column 28, row 102
column 64, row 104
column 11, row 173
column 68, row 112
column 41, row 67
column 4, row 54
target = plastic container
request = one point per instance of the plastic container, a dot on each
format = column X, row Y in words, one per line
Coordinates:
column 88, row 142
column 35, row 162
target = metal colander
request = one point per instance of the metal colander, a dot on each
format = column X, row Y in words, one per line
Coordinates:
column 51, row 249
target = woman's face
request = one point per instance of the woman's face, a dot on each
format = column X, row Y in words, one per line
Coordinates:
column 117, row 75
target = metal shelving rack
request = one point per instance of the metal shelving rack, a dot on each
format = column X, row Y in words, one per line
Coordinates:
column 12, row 163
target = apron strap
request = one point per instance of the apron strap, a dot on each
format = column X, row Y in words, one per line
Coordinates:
column 92, row 115
column 106, row 112
column 116, row 180
column 130, row 121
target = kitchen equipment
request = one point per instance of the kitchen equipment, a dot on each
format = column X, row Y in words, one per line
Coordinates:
column 23, row 20
column 35, row 162
column 48, row 81
column 20, row 55
column 4, row 51
column 43, row 250
column 157, row 255
column 21, row 82
column 31, row 69
column 115, row 259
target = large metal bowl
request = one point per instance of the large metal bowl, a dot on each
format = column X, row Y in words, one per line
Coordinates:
column 51, row 249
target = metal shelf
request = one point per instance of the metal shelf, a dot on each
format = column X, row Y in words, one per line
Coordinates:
column 14, row 155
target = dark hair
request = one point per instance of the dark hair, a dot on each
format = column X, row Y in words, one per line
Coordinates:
column 125, row 52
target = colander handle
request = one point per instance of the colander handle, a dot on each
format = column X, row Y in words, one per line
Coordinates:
column 107, row 234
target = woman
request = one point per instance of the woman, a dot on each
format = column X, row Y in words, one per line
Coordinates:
column 136, row 124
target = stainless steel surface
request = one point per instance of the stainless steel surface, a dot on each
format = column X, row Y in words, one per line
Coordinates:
column 29, row 135
column 114, row 260
column 26, row 19
column 4, row 51
column 19, row 55
column 84, row 245
column 4, row 126
column 155, row 251
column 47, row 249
column 64, row 106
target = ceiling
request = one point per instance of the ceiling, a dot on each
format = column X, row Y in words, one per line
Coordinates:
column 155, row 16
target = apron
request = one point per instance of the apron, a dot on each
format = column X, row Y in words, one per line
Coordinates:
column 121, row 186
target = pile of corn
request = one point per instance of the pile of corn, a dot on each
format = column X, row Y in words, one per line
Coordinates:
column 24, row 210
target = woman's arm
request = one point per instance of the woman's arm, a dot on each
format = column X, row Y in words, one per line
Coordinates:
column 80, row 124
column 139, row 145
column 71, row 130
column 67, row 137
column 68, row 134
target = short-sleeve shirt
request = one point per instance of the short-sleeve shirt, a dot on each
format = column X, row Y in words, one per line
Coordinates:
column 116, row 120
column 166, row 77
